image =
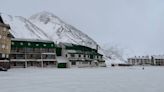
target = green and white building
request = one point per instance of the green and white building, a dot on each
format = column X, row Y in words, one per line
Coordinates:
column 42, row 53
column 81, row 56
column 32, row 53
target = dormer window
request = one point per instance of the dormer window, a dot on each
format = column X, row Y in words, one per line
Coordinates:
column 44, row 45
column 21, row 43
column 29, row 44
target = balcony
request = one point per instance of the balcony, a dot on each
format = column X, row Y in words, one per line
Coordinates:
column 80, row 59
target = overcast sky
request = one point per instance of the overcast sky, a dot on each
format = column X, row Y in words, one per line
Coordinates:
column 136, row 25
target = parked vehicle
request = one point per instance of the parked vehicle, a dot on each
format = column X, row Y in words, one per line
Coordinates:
column 3, row 69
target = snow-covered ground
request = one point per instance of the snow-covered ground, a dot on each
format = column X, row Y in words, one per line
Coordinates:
column 117, row 79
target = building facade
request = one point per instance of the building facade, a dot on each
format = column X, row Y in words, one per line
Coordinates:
column 140, row 60
column 81, row 56
column 5, row 42
column 156, row 60
column 42, row 53
column 32, row 53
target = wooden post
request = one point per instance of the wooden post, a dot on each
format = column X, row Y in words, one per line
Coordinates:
column 41, row 61
column 42, row 64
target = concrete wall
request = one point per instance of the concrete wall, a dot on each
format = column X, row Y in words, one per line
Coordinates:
column 102, row 64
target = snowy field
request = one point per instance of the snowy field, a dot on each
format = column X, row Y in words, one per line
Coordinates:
column 117, row 79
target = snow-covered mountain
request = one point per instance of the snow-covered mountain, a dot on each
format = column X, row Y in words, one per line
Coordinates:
column 59, row 31
column 22, row 28
column 47, row 26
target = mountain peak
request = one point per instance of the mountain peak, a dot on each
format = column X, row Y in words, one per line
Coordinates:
column 58, row 30
column 45, row 17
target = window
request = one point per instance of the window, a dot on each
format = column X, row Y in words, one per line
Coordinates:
column 51, row 50
column 7, row 56
column 37, row 44
column 29, row 50
column 91, row 56
column 21, row 43
column 66, row 55
column 36, row 50
column 73, row 63
column 95, row 57
column 84, row 62
column 79, row 55
column 3, row 55
column 45, row 50
column 52, row 45
column 72, row 55
column 44, row 45
column 3, row 46
column 20, row 56
column 29, row 44
column 15, row 63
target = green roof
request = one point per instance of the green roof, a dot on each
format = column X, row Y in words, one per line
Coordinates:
column 80, row 49
column 70, row 46
column 22, row 43
column 86, row 53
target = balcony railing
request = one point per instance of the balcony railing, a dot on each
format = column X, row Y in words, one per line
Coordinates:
column 80, row 58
